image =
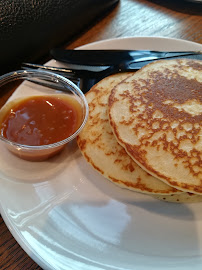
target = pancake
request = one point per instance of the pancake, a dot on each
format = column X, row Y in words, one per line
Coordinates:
column 184, row 197
column 100, row 148
column 156, row 115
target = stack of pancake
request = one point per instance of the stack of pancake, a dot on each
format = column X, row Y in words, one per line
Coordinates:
column 144, row 130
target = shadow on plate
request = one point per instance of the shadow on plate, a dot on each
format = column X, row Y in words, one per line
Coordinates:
column 12, row 168
column 173, row 210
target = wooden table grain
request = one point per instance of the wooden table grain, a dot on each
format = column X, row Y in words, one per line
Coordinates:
column 173, row 19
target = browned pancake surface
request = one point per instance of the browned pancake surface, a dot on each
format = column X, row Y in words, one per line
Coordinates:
column 156, row 115
column 100, row 148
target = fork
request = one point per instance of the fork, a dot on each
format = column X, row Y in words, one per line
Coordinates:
column 86, row 78
column 83, row 78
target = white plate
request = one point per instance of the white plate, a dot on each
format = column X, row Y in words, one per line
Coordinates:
column 69, row 217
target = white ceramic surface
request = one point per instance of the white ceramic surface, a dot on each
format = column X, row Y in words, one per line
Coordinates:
column 67, row 216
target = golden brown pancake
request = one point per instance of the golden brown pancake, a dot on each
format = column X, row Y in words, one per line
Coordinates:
column 100, row 148
column 184, row 197
column 156, row 115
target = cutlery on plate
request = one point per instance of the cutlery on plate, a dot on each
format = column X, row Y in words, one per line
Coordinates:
column 88, row 77
column 114, row 57
column 84, row 79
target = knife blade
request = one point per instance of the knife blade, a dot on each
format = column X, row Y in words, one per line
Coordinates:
column 113, row 57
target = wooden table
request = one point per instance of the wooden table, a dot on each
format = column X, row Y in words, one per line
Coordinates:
column 181, row 19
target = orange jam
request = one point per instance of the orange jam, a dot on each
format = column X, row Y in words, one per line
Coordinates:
column 42, row 120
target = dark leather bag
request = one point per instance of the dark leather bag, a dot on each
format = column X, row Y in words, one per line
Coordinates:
column 30, row 28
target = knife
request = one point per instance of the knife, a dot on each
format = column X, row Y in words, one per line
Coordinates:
column 115, row 57
column 90, row 77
